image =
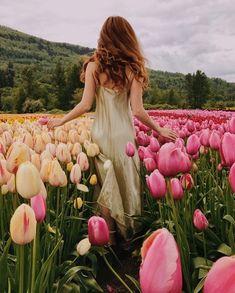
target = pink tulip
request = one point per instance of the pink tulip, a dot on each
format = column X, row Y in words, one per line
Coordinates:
column 43, row 120
column 160, row 269
column 231, row 125
column 232, row 177
column 130, row 149
column 204, row 137
column 38, row 204
column 172, row 160
column 190, row 126
column 176, row 189
column 221, row 277
column 150, row 164
column 193, row 144
column 156, row 184
column 98, row 231
column 199, row 220
column 214, row 140
column 227, row 147
column 82, row 161
column 142, row 139
column 141, row 151
column 154, row 145
column 186, row 181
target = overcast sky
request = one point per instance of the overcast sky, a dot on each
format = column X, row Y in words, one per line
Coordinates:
column 176, row 35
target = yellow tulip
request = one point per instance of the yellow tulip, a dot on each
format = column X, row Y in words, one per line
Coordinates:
column 28, row 139
column 28, row 180
column 77, row 149
column 23, row 225
column 78, row 203
column 17, row 154
column 39, row 144
column 51, row 148
column 93, row 179
column 69, row 166
column 35, row 159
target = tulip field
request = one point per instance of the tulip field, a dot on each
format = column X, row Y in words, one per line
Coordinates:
column 52, row 238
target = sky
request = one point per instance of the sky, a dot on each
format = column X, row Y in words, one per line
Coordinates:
column 176, row 35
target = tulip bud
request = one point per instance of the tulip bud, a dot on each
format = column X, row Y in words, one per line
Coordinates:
column 38, row 204
column 62, row 153
column 17, row 154
column 175, row 188
column 83, row 246
column 69, row 166
column 35, row 159
column 76, row 174
column 28, row 180
column 98, row 231
column 130, row 149
column 78, row 203
column 23, row 225
column 154, row 144
column 11, row 183
column 199, row 220
column 186, row 181
column 83, row 162
column 160, row 270
column 93, row 179
column 57, row 176
column 93, row 150
column 150, row 164
column 221, row 277
column 156, row 184
column 4, row 174
column 82, row 187
column 232, row 177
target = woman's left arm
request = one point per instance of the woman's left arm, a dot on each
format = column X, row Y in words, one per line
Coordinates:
column 86, row 102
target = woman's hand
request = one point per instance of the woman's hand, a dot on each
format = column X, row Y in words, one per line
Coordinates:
column 167, row 133
column 55, row 122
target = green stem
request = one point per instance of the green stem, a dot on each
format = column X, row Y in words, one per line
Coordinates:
column 204, row 246
column 116, row 274
column 21, row 260
column 34, row 259
column 57, row 213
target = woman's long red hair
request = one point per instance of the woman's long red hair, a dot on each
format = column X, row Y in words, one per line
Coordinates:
column 117, row 49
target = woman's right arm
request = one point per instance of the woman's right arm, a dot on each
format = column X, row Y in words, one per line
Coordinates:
column 136, row 94
column 86, row 102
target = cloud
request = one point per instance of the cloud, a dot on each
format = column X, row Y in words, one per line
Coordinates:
column 176, row 35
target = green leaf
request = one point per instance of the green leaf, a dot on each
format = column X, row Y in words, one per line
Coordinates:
column 199, row 286
column 134, row 281
column 229, row 219
column 200, row 262
column 4, row 266
column 225, row 249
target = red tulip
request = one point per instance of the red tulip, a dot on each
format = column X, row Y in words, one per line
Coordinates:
column 221, row 277
column 227, row 147
column 176, row 189
column 160, row 269
column 232, row 177
column 193, row 144
column 130, row 149
column 199, row 220
column 98, row 231
column 156, row 184
column 38, row 204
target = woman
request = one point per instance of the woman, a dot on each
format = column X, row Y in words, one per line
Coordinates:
column 115, row 75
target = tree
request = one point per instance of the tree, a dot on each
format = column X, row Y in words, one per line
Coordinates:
column 10, row 75
column 59, row 82
column 198, row 89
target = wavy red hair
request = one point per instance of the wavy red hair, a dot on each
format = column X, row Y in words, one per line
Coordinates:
column 117, row 49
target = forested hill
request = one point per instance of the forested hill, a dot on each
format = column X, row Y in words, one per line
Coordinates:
column 38, row 75
column 21, row 48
